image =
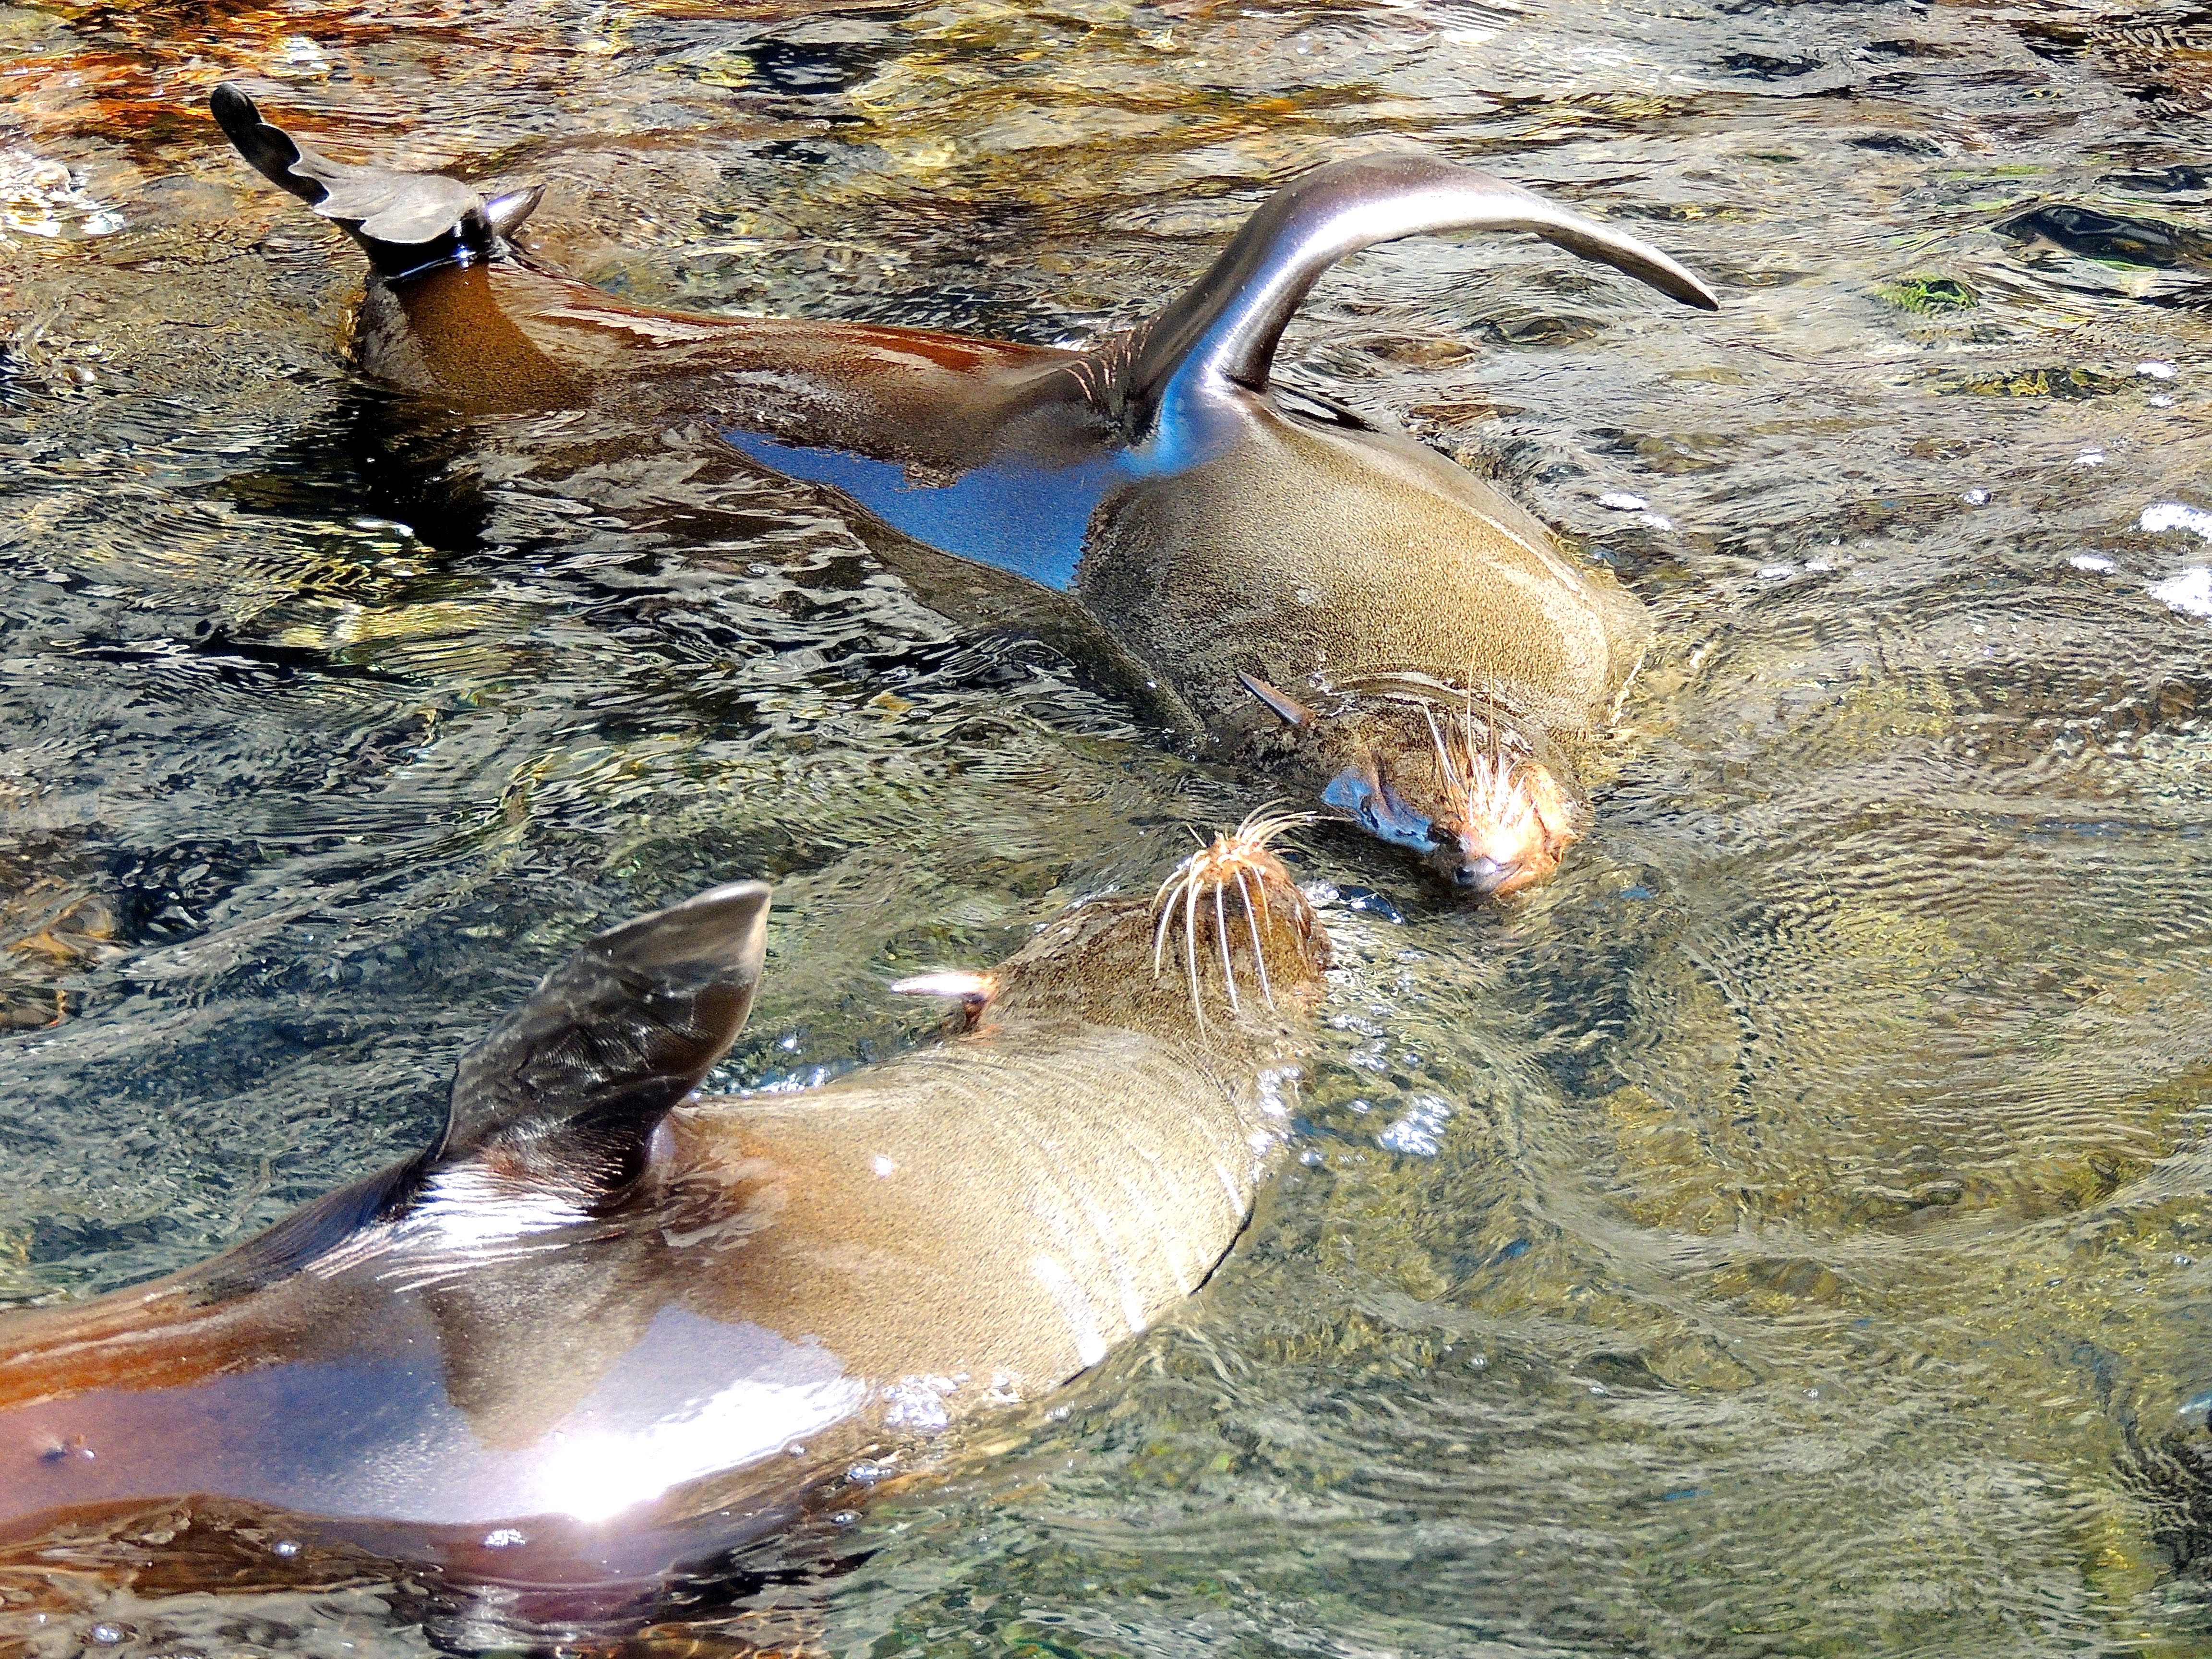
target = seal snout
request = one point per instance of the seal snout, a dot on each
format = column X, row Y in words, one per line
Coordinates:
column 1512, row 827
column 1499, row 819
column 1483, row 876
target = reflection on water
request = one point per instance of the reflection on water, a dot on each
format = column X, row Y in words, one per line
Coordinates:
column 1789, row 1232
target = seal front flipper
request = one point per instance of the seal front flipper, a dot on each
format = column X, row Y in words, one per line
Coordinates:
column 403, row 220
column 1226, row 326
column 566, row 1092
column 563, row 1095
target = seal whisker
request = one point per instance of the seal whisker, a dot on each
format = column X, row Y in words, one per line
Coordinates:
column 1259, row 830
column 1266, row 909
column 1238, row 858
column 1259, row 951
column 1181, row 885
column 1190, row 947
column 1451, row 775
column 1221, row 938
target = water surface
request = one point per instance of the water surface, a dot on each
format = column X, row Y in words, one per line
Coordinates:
column 1789, row 1233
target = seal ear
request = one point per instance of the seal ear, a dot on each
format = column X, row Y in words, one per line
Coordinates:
column 565, row 1091
column 971, row 992
column 1227, row 326
column 1295, row 715
column 403, row 220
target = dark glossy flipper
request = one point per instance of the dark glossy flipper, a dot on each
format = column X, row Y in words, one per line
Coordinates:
column 561, row 1095
column 1227, row 326
column 565, row 1091
column 405, row 222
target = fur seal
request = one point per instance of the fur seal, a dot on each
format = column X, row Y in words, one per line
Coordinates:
column 606, row 1326
column 1429, row 650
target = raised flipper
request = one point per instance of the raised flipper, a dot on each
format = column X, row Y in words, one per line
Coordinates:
column 563, row 1094
column 405, row 222
column 1226, row 326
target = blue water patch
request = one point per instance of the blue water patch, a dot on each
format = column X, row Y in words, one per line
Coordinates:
column 1028, row 520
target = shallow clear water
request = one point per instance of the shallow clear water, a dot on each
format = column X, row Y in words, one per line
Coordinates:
column 1787, row 1233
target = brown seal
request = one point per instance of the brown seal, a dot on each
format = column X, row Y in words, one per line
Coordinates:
column 1432, row 650
column 606, row 1326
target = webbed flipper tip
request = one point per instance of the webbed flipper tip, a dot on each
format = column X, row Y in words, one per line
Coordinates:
column 405, row 222
column 1636, row 258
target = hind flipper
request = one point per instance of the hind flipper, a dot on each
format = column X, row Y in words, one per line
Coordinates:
column 1227, row 326
column 403, row 220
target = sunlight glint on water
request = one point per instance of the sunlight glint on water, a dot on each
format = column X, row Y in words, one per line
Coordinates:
column 1787, row 1233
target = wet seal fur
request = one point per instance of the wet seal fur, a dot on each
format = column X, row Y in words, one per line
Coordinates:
column 606, row 1327
column 1429, row 655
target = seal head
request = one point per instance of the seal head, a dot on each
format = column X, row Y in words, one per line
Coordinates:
column 1234, row 944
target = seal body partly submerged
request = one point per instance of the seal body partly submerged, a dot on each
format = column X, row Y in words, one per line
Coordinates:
column 1233, row 542
column 606, row 1327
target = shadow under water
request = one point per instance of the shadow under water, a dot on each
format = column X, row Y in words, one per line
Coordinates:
column 1790, row 1232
